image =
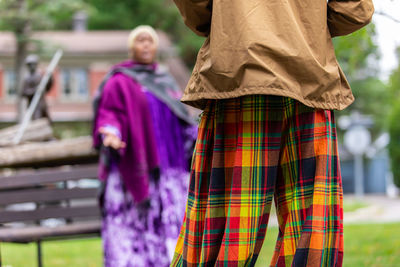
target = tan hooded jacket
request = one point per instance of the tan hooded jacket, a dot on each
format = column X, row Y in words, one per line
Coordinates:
column 273, row 47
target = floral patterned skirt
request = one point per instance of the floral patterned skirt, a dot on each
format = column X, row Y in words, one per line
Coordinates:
column 143, row 234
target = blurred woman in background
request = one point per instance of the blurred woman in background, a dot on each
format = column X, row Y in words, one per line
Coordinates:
column 145, row 137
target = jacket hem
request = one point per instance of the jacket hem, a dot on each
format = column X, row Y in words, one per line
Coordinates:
column 199, row 100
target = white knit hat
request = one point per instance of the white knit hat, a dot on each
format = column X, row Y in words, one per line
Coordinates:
column 141, row 29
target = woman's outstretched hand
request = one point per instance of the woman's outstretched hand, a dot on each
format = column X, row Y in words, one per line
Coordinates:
column 111, row 139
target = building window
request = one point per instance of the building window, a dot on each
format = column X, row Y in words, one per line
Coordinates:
column 74, row 84
column 10, row 90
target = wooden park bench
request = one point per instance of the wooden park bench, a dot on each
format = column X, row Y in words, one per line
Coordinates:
column 50, row 194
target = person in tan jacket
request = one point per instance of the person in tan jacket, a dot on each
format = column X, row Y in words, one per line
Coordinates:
column 268, row 81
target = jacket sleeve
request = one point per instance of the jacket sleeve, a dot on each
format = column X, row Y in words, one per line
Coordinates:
column 196, row 15
column 347, row 16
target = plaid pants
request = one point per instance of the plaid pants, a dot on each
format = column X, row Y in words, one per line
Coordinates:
column 250, row 150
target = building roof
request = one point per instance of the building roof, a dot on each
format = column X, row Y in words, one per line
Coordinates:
column 80, row 42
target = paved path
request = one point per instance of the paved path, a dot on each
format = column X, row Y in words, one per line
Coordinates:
column 379, row 209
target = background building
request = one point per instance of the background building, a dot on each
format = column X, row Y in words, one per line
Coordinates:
column 88, row 55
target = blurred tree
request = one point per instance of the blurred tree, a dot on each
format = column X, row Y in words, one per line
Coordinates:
column 24, row 16
column 394, row 125
column 161, row 14
column 358, row 56
column 394, row 144
column 355, row 51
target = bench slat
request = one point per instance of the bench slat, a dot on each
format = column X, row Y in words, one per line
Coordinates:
column 35, row 233
column 49, row 212
column 48, row 176
column 42, row 195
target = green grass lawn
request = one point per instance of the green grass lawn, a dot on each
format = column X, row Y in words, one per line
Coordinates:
column 71, row 253
column 350, row 205
column 372, row 245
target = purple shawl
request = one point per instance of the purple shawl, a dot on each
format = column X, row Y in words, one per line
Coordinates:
column 124, row 106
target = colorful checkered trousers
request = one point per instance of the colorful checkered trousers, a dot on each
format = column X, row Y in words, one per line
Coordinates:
column 250, row 150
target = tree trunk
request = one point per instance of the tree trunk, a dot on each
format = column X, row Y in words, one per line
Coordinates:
column 22, row 35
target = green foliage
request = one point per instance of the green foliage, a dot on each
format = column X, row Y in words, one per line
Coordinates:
column 40, row 14
column 22, row 17
column 358, row 56
column 394, row 124
column 357, row 52
column 372, row 98
column 161, row 14
column 394, row 145
column 58, row 14
column 127, row 14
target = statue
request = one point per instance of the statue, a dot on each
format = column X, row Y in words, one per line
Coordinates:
column 30, row 85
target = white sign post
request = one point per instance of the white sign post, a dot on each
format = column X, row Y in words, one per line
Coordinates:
column 357, row 139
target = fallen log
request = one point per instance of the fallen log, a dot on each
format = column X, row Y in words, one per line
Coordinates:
column 46, row 154
column 38, row 130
